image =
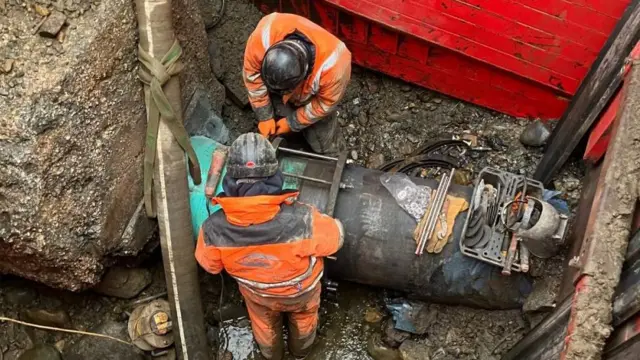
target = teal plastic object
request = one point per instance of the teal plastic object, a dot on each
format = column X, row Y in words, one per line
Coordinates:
column 201, row 207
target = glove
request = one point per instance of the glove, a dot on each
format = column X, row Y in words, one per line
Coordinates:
column 282, row 127
column 267, row 127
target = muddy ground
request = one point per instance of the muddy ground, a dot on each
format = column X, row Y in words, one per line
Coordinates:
column 382, row 119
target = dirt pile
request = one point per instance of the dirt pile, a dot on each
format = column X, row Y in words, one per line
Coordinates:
column 72, row 133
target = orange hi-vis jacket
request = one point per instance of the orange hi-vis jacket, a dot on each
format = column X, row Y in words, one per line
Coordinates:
column 272, row 245
column 326, row 83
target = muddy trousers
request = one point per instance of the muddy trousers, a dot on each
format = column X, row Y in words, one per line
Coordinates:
column 323, row 137
column 266, row 315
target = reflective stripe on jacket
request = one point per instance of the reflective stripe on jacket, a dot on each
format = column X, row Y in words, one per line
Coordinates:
column 270, row 244
column 326, row 84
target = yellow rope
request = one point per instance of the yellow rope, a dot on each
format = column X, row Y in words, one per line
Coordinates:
column 2, row 318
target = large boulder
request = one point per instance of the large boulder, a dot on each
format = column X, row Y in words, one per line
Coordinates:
column 72, row 136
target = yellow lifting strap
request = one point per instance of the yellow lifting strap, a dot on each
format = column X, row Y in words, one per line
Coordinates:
column 154, row 74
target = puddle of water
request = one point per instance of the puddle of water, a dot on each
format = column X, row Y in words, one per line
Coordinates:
column 236, row 337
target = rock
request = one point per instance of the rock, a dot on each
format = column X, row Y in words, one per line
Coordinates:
column 53, row 318
column 437, row 100
column 124, row 283
column 354, row 155
column 192, row 36
column 393, row 337
column 438, row 354
column 372, row 316
column 7, row 65
column 200, row 119
column 495, row 143
column 405, row 88
column 411, row 350
column 379, row 351
column 363, row 120
column 543, row 296
column 52, row 25
column 72, row 143
column 20, row 296
column 375, row 161
column 535, row 133
column 41, row 10
column 571, row 183
column 209, row 10
column 41, row 352
column 4, row 92
column 89, row 347
column 215, row 58
column 397, row 117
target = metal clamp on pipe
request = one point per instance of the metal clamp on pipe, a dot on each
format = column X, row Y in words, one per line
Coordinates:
column 335, row 183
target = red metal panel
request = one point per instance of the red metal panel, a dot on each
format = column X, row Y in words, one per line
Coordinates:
column 573, row 13
column 492, row 31
column 502, row 54
column 601, row 133
column 610, row 7
column 300, row 7
column 478, row 92
column 509, row 28
column 383, row 39
column 325, row 15
column 513, row 59
column 352, row 28
column 551, row 24
column 412, row 48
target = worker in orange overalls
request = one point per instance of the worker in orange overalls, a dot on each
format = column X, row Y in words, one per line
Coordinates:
column 271, row 244
column 296, row 73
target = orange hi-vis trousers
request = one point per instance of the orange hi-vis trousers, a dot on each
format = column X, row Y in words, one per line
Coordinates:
column 266, row 318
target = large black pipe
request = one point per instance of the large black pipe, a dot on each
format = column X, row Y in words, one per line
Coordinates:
column 379, row 249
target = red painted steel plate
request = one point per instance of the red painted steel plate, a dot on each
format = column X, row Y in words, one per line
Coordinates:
column 600, row 135
column 525, row 58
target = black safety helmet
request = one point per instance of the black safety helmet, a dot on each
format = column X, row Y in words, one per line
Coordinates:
column 285, row 65
column 251, row 156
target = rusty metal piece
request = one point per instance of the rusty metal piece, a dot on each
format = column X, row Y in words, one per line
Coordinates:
column 511, row 255
column 150, row 326
column 218, row 160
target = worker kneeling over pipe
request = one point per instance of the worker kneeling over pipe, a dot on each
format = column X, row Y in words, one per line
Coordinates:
column 272, row 245
column 379, row 249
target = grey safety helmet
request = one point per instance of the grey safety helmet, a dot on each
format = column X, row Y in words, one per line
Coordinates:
column 251, row 156
column 285, row 65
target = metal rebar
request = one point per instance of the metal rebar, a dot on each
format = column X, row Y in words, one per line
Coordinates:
column 307, row 178
column 423, row 238
column 438, row 208
column 304, row 153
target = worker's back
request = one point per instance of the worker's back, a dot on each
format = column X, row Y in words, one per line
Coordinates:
column 270, row 244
